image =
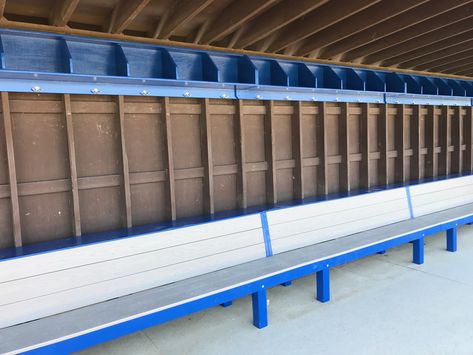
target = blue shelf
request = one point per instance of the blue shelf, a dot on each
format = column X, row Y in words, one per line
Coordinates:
column 51, row 63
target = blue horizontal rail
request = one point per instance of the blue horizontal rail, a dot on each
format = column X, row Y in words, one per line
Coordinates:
column 114, row 331
column 51, row 63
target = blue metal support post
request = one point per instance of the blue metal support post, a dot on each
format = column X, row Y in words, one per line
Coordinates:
column 323, row 285
column 418, row 251
column 452, row 239
column 260, row 308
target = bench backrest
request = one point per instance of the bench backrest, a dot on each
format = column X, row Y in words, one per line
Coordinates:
column 39, row 285
column 304, row 225
column 440, row 195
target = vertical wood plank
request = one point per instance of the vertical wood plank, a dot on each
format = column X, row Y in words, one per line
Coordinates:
column 399, row 172
column 125, row 167
column 169, row 160
column 239, row 129
column 430, row 132
column 383, row 145
column 444, row 157
column 456, row 135
column 415, row 143
column 297, row 145
column 365, row 147
column 468, row 140
column 206, row 141
column 76, row 225
column 322, row 168
column 270, row 152
column 344, row 142
column 15, row 206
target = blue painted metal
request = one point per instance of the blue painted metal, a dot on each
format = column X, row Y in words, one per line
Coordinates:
column 226, row 304
column 266, row 234
column 253, row 288
column 418, row 251
column 409, row 202
column 286, row 284
column 53, row 63
column 452, row 240
column 260, row 308
column 322, row 278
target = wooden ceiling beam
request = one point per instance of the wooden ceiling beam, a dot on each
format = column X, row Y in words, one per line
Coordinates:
column 124, row 13
column 2, row 7
column 438, row 56
column 232, row 17
column 425, row 49
column 182, row 13
column 325, row 16
column 466, row 72
column 436, row 28
column 405, row 19
column 461, row 64
column 447, row 60
column 275, row 18
column 63, row 11
column 373, row 15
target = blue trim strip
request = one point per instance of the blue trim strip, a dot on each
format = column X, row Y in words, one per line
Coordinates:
column 409, row 202
column 121, row 329
column 266, row 234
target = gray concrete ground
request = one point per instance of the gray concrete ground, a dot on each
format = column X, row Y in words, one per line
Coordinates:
column 382, row 304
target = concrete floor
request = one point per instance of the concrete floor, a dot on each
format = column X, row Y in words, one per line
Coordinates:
column 382, row 304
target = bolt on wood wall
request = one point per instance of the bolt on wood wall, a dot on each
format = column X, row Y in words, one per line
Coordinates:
column 73, row 164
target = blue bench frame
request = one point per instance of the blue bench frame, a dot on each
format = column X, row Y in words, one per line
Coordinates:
column 257, row 289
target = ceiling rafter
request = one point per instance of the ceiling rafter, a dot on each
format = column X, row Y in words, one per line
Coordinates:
column 275, row 18
column 446, row 59
column 371, row 16
column 183, row 12
column 438, row 55
column 2, row 7
column 463, row 62
column 63, row 11
column 232, row 17
column 442, row 26
column 423, row 50
column 325, row 16
column 405, row 19
column 124, row 13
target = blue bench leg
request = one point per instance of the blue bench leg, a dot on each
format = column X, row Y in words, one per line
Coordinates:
column 418, row 251
column 260, row 309
column 323, row 285
column 287, row 283
column 452, row 239
column 226, row 304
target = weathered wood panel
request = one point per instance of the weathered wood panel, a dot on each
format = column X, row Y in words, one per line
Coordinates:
column 190, row 157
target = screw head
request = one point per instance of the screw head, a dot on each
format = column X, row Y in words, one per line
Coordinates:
column 287, row 97
column 224, row 96
column 186, row 94
column 36, row 88
column 144, row 93
column 314, row 98
column 259, row 97
column 95, row 91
